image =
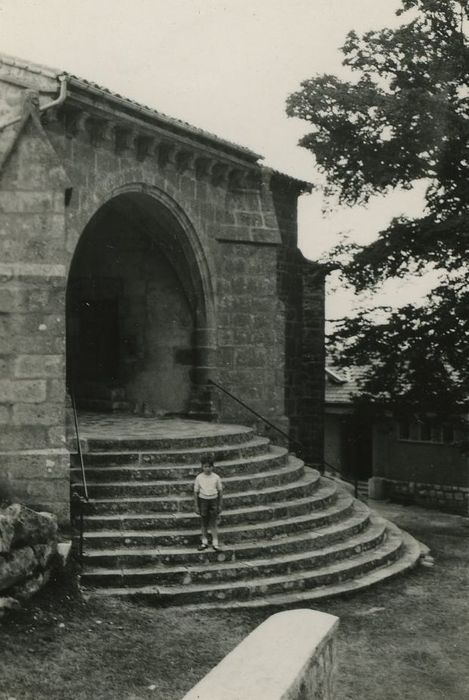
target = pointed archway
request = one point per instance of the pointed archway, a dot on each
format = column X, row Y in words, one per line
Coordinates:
column 140, row 326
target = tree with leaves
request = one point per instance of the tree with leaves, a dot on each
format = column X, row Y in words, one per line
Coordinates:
column 403, row 117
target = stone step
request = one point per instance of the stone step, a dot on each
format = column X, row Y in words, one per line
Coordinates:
column 108, row 489
column 163, row 575
column 287, row 534
column 220, row 436
column 409, row 556
column 186, row 455
column 259, row 587
column 276, row 457
column 239, row 551
column 340, row 509
column 185, row 503
column 318, row 500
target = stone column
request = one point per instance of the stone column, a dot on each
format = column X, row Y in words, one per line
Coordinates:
column 202, row 403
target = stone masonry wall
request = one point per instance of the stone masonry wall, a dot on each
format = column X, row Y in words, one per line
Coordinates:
column 302, row 289
column 451, row 499
column 249, row 325
column 251, row 335
column 239, row 230
column 33, row 459
column 272, row 355
column 233, row 223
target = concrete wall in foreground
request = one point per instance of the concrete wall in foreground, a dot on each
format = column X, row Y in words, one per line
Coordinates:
column 290, row 656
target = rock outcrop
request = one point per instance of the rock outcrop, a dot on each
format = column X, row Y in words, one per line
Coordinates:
column 28, row 553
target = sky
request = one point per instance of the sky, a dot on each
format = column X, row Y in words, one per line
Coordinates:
column 226, row 66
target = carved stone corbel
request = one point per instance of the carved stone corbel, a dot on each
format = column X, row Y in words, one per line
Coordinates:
column 97, row 129
column 123, row 138
column 237, row 179
column 167, row 153
column 73, row 120
column 219, row 174
column 253, row 180
column 185, row 160
column 203, row 166
column 144, row 146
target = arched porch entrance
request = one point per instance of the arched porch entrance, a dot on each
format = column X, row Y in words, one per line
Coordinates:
column 139, row 311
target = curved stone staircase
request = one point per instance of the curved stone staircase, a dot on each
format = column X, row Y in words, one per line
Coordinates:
column 287, row 534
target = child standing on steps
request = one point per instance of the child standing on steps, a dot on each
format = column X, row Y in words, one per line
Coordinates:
column 208, row 491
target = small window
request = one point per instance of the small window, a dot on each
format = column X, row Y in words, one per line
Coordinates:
column 425, row 431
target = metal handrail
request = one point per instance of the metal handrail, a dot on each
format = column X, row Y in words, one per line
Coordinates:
column 291, row 440
column 80, row 453
column 353, row 481
column 80, row 503
column 76, row 497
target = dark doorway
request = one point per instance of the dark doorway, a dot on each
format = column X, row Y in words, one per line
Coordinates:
column 357, row 448
column 99, row 340
column 130, row 314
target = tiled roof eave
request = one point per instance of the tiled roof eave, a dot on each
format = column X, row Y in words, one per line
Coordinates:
column 97, row 97
column 34, row 68
column 302, row 185
column 79, row 86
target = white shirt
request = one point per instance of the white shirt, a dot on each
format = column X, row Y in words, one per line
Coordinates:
column 207, row 485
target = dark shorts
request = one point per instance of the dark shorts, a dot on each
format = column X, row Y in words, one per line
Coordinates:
column 208, row 509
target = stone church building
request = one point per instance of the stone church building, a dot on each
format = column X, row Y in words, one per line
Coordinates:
column 140, row 260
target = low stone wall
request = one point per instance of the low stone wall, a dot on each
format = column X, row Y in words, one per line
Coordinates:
column 28, row 551
column 290, row 656
column 451, row 499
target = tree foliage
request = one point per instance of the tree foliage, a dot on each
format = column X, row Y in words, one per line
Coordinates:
column 403, row 117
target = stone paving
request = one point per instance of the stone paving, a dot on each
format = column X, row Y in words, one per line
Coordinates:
column 124, row 427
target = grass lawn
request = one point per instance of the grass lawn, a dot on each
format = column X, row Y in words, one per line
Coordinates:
column 408, row 638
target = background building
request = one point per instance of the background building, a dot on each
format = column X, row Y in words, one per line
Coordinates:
column 415, row 461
